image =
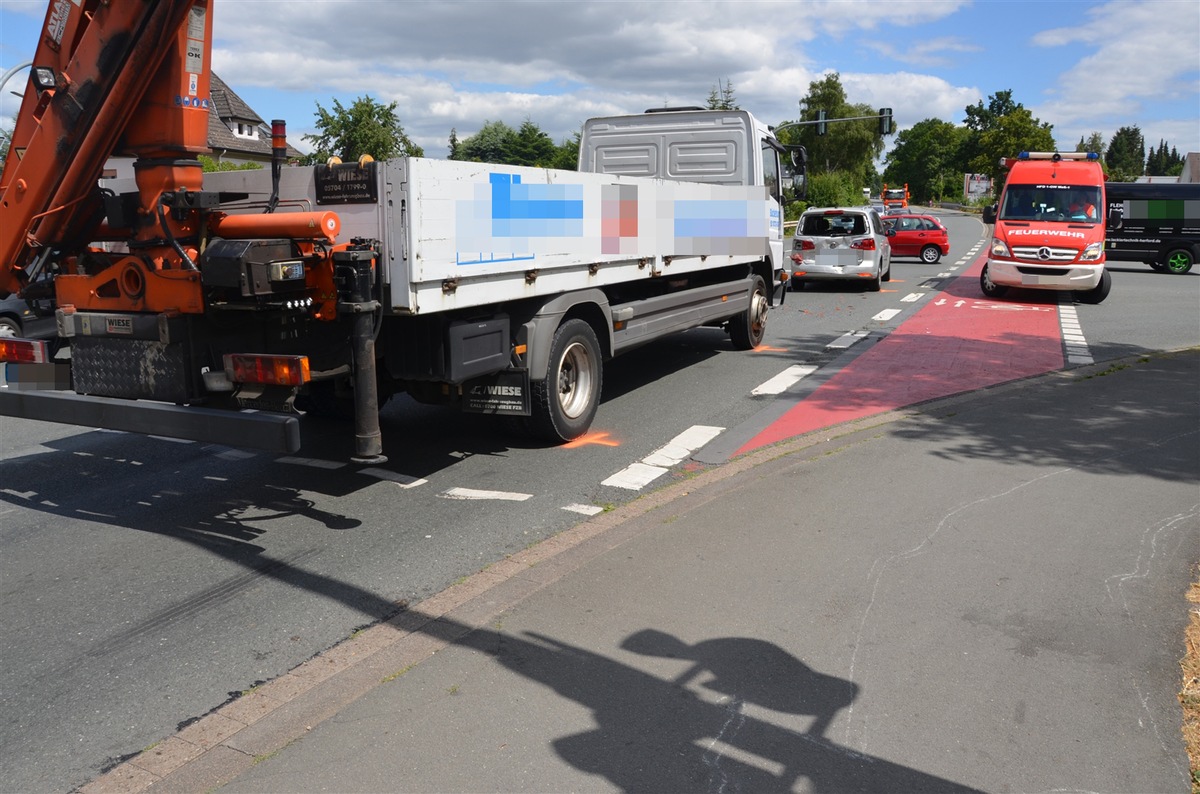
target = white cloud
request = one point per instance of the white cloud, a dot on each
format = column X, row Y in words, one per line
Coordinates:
column 1130, row 57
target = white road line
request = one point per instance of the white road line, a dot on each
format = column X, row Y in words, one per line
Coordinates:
column 784, row 380
column 886, row 315
column 913, row 297
column 587, row 510
column 315, row 463
column 1072, row 334
column 403, row 480
column 683, row 445
column 636, row 476
column 470, row 493
column 846, row 340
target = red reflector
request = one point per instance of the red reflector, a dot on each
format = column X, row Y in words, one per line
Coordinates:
column 864, row 245
column 267, row 370
column 24, row 351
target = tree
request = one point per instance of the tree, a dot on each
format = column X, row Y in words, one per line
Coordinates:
column 1126, row 155
column 724, row 100
column 566, row 154
column 849, row 147
column 1003, row 128
column 208, row 165
column 1161, row 162
column 1094, row 143
column 925, row 157
column 455, row 145
column 530, row 146
column 492, row 144
column 366, row 127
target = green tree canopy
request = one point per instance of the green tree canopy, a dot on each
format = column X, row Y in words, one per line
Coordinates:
column 366, row 127
column 848, row 147
column 531, row 146
column 492, row 144
column 1126, row 154
column 566, row 154
column 721, row 97
column 1161, row 162
column 926, row 157
column 1001, row 129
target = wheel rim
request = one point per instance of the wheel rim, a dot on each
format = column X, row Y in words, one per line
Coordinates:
column 986, row 275
column 1179, row 262
column 758, row 317
column 575, row 380
column 7, row 331
column 931, row 255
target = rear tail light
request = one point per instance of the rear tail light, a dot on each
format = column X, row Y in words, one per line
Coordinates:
column 867, row 244
column 267, row 370
column 803, row 245
column 24, row 351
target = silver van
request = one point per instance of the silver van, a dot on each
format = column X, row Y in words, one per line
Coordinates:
column 841, row 243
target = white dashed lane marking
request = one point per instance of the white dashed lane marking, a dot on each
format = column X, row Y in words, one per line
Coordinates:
column 638, row 475
column 1072, row 334
column 784, row 380
column 471, row 493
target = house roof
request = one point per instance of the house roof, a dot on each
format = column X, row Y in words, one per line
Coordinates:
column 228, row 109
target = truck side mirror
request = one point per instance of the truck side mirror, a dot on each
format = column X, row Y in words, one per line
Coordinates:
column 1116, row 218
column 989, row 213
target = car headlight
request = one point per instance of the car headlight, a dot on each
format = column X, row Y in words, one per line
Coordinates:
column 1000, row 248
column 1092, row 252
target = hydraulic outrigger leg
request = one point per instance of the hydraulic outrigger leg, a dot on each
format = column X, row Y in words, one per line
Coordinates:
column 356, row 270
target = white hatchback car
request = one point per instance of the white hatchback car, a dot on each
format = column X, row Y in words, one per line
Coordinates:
column 844, row 243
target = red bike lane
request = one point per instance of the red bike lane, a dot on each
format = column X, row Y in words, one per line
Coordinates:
column 959, row 341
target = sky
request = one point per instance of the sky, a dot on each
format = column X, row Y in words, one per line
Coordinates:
column 1080, row 65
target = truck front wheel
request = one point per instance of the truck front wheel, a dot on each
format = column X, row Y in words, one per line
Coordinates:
column 989, row 287
column 747, row 329
column 565, row 401
column 1098, row 293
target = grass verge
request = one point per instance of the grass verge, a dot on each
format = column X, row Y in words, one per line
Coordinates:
column 1189, row 694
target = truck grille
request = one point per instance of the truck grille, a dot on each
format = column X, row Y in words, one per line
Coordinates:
column 1044, row 253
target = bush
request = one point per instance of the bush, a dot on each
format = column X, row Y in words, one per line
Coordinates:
column 834, row 189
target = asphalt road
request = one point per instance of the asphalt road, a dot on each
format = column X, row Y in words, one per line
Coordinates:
column 146, row 581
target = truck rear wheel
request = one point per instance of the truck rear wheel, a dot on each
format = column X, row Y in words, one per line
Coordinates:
column 748, row 328
column 1179, row 260
column 565, row 401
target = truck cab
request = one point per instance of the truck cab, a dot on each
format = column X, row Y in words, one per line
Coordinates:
column 1049, row 227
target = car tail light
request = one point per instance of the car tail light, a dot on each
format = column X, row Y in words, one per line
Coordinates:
column 24, row 351
column 804, row 245
column 867, row 244
column 267, row 370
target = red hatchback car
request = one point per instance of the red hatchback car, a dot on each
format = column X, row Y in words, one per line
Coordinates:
column 918, row 235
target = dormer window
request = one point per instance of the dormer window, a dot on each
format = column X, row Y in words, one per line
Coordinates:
column 245, row 130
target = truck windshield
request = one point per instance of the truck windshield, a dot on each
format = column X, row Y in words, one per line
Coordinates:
column 1075, row 203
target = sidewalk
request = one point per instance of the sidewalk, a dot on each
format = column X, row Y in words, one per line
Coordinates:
column 979, row 593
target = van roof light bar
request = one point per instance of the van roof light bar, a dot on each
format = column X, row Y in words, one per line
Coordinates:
column 1056, row 156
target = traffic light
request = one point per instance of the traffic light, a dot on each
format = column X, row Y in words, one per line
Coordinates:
column 885, row 121
column 820, row 122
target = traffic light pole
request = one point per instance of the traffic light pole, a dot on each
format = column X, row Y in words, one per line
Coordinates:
column 884, row 115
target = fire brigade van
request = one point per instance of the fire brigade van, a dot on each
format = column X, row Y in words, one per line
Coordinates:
column 1049, row 227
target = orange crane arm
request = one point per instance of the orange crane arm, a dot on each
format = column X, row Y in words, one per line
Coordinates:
column 107, row 76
